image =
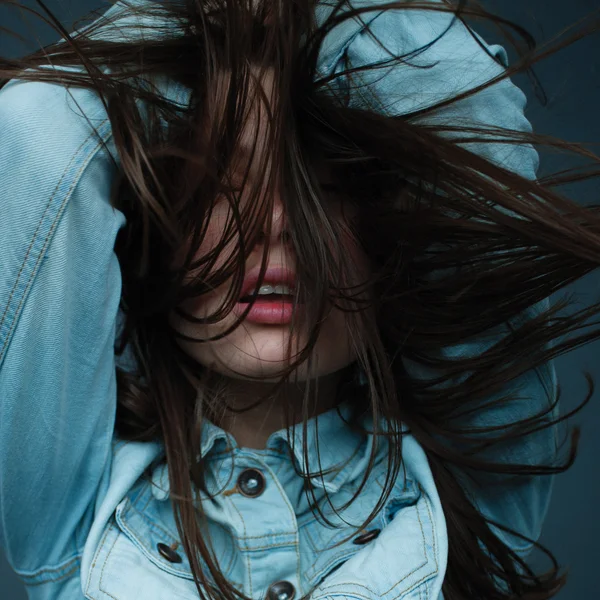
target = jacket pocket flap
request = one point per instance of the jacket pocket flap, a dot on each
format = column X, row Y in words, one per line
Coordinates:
column 145, row 530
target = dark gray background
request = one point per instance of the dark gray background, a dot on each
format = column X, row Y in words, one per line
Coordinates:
column 572, row 83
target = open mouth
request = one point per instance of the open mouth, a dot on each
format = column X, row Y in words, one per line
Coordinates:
column 270, row 293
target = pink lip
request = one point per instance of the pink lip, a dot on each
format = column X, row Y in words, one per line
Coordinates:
column 277, row 312
column 267, row 313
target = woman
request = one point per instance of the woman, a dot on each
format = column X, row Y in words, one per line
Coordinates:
column 274, row 315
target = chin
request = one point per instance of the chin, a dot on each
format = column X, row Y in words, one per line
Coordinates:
column 261, row 351
column 266, row 358
column 269, row 362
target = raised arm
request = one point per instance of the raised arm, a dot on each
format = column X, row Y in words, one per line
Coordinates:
column 458, row 63
column 440, row 70
column 60, row 286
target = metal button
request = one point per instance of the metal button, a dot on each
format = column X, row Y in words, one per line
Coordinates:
column 168, row 553
column 282, row 590
column 365, row 538
column 251, row 483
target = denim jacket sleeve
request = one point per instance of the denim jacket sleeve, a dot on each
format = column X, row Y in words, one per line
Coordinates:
column 456, row 63
column 60, row 287
column 443, row 59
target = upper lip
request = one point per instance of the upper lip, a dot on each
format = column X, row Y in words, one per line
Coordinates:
column 273, row 275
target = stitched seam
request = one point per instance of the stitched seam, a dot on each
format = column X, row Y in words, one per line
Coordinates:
column 354, row 595
column 287, row 502
column 48, row 236
column 51, row 571
column 247, row 556
column 427, row 576
column 104, row 567
column 421, row 565
column 258, row 537
column 293, row 517
column 42, row 253
column 148, row 492
column 100, row 545
column 274, row 545
column 60, row 567
column 154, row 525
column 433, row 526
column 336, row 535
column 141, row 542
column 61, row 578
column 297, row 548
column 49, row 203
column 315, row 570
column 371, row 591
column 232, row 556
column 321, row 573
column 40, row 257
column 151, row 522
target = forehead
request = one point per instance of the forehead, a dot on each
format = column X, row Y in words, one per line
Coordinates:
column 256, row 142
column 256, row 130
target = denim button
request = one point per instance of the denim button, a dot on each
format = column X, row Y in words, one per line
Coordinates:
column 168, row 553
column 251, row 483
column 282, row 590
column 365, row 538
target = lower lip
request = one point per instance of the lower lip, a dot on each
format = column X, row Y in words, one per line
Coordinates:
column 267, row 313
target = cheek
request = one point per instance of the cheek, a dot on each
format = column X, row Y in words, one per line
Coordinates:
column 213, row 241
column 219, row 223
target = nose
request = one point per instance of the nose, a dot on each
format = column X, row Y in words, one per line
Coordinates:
column 278, row 222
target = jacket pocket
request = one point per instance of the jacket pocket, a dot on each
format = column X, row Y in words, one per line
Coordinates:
column 141, row 556
column 401, row 562
column 121, row 570
column 325, row 549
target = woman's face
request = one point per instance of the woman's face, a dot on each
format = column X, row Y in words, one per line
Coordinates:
column 259, row 346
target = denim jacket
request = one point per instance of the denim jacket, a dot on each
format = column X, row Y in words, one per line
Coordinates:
column 78, row 519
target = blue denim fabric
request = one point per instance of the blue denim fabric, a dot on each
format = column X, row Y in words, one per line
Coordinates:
column 77, row 519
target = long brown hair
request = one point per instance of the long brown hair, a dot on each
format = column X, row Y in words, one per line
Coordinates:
column 459, row 246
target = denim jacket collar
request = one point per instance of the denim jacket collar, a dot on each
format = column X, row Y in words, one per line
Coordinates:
column 333, row 448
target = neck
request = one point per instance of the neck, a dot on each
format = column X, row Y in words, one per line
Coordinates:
column 255, row 410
